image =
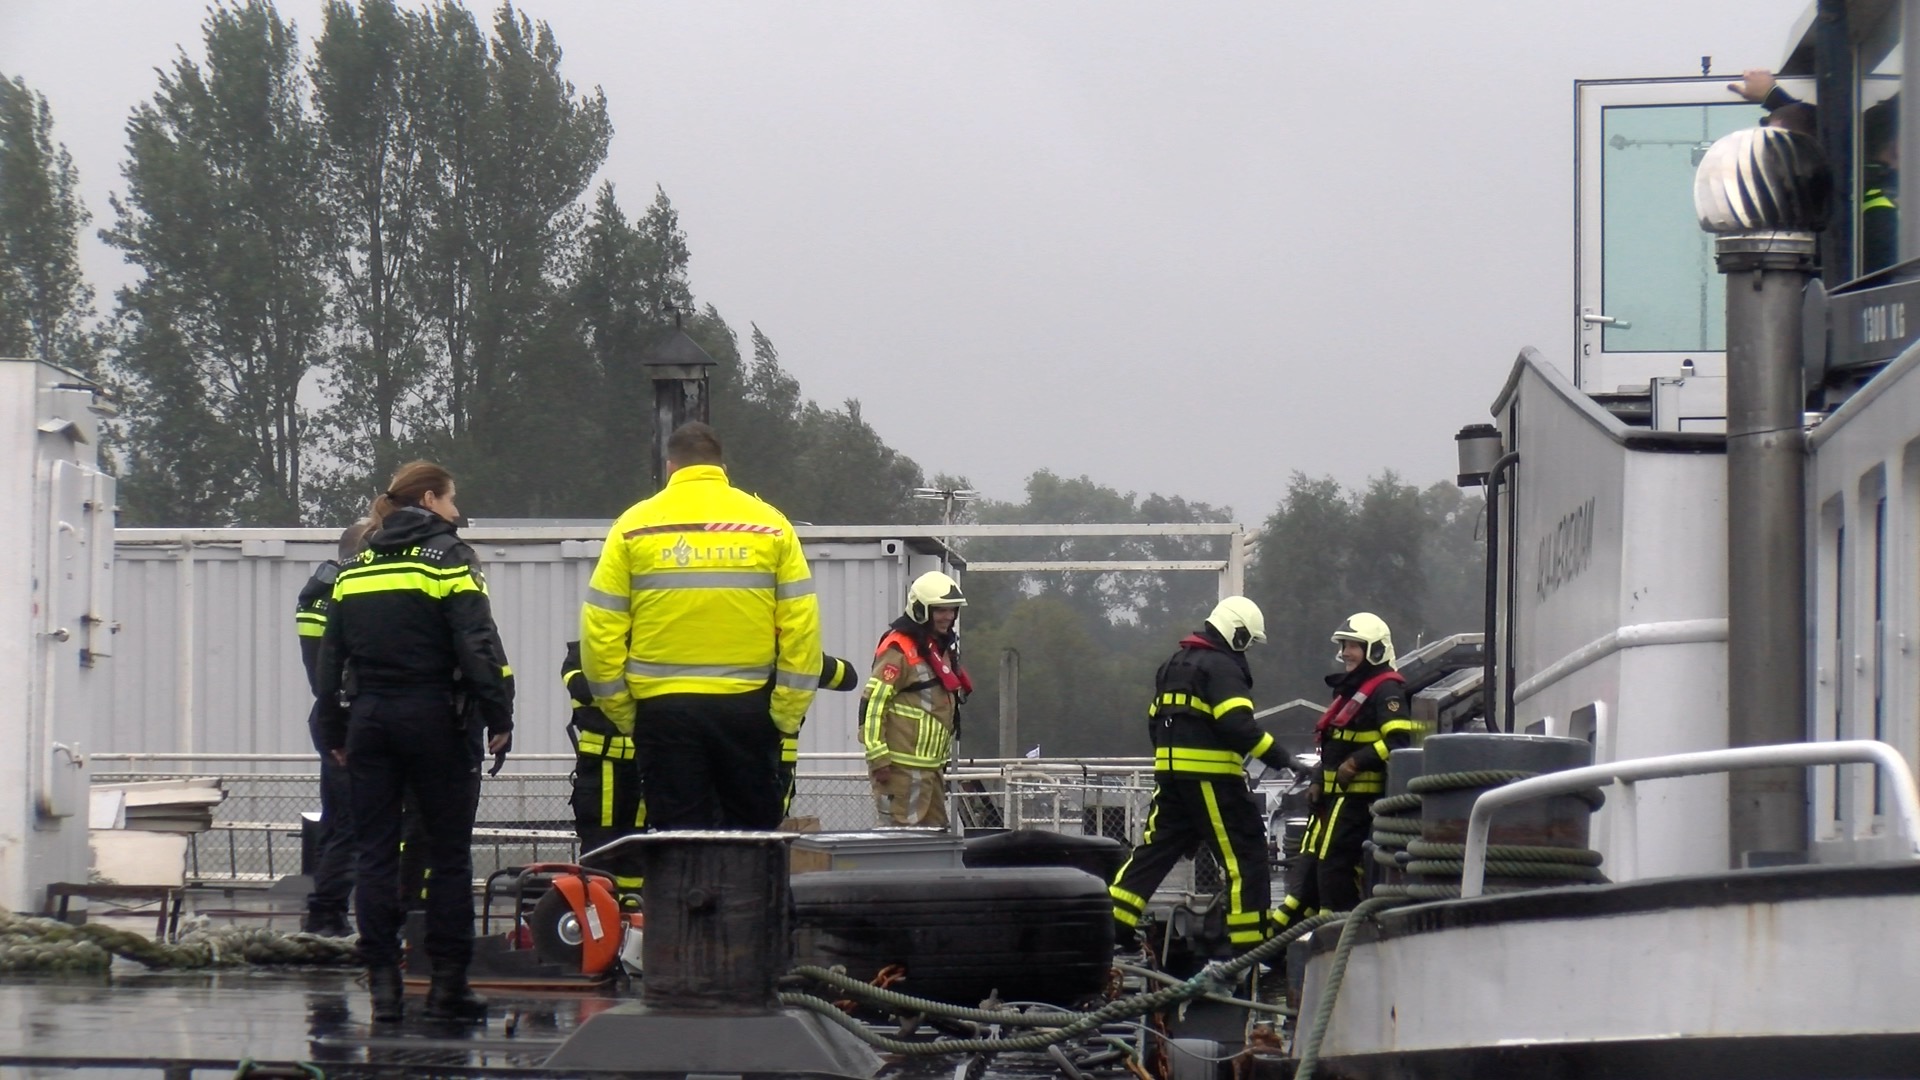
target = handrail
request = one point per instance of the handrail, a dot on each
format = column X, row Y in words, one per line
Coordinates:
column 1853, row 751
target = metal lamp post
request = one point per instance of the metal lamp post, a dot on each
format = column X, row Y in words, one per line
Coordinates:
column 679, row 368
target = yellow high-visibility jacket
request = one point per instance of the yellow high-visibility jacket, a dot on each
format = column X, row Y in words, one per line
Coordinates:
column 701, row 589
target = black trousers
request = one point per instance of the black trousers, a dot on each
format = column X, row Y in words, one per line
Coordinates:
column 1187, row 814
column 607, row 800
column 333, row 855
column 397, row 744
column 710, row 761
column 1328, row 871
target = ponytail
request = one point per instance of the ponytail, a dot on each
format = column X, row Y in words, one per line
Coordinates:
column 408, row 486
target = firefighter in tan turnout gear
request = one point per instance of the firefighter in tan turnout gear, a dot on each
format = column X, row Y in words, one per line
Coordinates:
column 1201, row 721
column 911, row 706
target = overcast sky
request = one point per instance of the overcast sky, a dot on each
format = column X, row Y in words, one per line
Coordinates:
column 1184, row 248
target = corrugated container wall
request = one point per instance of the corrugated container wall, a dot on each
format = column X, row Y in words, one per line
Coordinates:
column 237, row 684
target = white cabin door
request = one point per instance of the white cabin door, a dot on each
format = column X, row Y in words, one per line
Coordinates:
column 1648, row 303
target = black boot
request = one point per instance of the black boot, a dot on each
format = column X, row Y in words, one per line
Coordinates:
column 389, row 992
column 328, row 924
column 450, row 998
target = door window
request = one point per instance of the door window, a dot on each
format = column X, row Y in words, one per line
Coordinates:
column 1658, row 281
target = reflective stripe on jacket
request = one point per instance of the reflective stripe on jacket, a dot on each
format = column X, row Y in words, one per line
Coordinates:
column 1374, row 707
column 410, row 614
column 701, row 589
column 1201, row 715
column 907, row 715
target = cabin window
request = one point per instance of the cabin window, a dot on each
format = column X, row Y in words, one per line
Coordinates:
column 1876, row 158
column 1657, row 270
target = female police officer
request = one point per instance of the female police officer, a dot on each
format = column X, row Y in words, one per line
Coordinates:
column 412, row 652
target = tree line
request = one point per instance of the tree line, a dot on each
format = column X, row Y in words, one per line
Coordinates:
column 386, row 247
column 1089, row 642
column 390, row 245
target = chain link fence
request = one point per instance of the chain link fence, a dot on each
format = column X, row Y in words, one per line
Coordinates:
column 525, row 817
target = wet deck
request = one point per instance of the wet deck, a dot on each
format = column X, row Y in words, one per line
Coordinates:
column 143, row 1020
column 138, row 1023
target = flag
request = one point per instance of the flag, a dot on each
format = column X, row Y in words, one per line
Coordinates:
column 1035, row 752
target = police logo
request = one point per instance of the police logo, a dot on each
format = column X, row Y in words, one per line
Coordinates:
column 682, row 552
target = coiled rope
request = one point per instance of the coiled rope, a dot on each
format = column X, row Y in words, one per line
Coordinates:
column 32, row 943
column 1059, row 1027
column 1397, row 842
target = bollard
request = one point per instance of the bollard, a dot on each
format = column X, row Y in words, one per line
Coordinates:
column 718, row 910
column 1561, row 821
column 717, row 922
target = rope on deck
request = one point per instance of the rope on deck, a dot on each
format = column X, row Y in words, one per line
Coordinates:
column 32, row 943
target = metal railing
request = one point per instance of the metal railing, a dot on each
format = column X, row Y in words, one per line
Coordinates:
column 1628, row 773
column 527, row 817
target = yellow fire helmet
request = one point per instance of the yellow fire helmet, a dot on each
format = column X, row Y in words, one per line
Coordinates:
column 1370, row 630
column 1239, row 621
column 931, row 590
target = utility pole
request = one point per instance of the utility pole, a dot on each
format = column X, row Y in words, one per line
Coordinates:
column 1009, row 703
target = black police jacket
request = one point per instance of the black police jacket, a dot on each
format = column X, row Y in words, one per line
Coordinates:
column 411, row 616
column 586, row 715
column 1201, row 717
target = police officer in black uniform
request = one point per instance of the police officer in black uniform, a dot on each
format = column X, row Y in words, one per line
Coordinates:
column 411, row 628
column 333, row 851
column 1367, row 720
column 1203, row 735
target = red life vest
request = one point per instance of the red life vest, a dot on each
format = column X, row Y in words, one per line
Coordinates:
column 953, row 680
column 1343, row 709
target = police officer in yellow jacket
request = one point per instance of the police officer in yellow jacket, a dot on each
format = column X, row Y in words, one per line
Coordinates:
column 911, row 707
column 1366, row 721
column 1204, row 733
column 700, row 638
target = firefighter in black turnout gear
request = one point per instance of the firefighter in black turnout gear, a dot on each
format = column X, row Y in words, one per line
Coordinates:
column 1203, row 731
column 412, row 643
column 608, row 801
column 1367, row 720
column 835, row 674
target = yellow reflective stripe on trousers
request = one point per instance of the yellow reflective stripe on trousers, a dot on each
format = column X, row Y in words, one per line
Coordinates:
column 1228, row 860
column 606, row 792
column 1326, row 827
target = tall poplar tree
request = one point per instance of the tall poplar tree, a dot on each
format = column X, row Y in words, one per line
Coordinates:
column 45, row 304
column 222, row 214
